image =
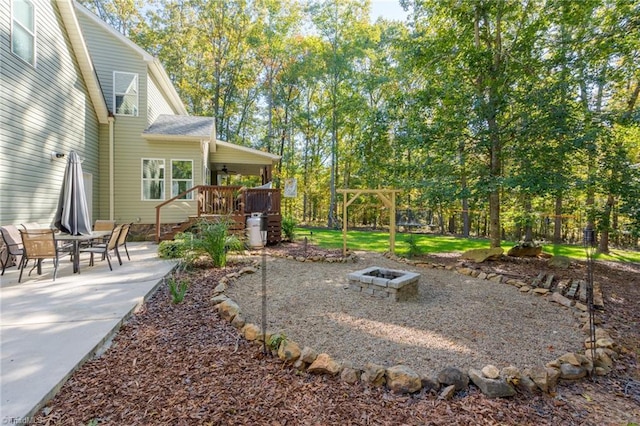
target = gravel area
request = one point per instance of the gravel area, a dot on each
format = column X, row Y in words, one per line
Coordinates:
column 455, row 321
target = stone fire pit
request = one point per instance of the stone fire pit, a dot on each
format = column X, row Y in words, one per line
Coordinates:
column 390, row 284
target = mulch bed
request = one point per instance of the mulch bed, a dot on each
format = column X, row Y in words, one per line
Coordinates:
column 180, row 364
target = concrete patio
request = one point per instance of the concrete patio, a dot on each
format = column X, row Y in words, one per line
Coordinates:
column 49, row 328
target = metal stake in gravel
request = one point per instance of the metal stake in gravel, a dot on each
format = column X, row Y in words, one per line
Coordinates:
column 589, row 246
column 264, row 301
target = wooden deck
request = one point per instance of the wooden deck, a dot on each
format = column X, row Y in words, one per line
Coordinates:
column 233, row 203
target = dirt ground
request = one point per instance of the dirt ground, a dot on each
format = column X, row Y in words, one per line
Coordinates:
column 180, row 364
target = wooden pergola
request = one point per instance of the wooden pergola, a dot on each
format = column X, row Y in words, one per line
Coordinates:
column 388, row 198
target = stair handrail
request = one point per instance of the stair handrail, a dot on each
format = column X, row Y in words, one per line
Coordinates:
column 180, row 195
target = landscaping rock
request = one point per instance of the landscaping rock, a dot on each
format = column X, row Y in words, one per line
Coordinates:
column 490, row 371
column 402, row 379
column 544, row 377
column 238, row 321
column 220, row 288
column 349, row 374
column 228, row 309
column 324, row 364
column 464, row 271
column 251, row 332
column 511, row 374
column 559, row 262
column 308, row 355
column 492, row 388
column 429, row 383
column 569, row 358
column 453, row 376
column 289, row 351
column 526, row 385
column 572, row 372
column 448, row 392
column 480, row 255
column 373, row 374
column 248, row 270
column 525, row 250
column 218, row 299
column 561, row 300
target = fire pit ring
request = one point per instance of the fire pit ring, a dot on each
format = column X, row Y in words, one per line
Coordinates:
column 390, row 284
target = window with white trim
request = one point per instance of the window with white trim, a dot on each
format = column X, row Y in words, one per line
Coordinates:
column 152, row 179
column 23, row 30
column 181, row 178
column 125, row 93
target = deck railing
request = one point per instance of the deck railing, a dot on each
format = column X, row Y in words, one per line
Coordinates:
column 227, row 201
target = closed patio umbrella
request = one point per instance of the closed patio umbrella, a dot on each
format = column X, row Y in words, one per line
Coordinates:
column 72, row 215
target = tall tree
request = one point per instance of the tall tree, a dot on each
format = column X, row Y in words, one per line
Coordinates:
column 340, row 24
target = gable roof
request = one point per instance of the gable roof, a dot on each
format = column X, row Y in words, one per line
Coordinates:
column 153, row 64
column 181, row 127
column 81, row 52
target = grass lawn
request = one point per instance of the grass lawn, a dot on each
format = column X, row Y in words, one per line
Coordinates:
column 431, row 243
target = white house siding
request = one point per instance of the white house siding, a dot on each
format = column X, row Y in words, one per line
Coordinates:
column 42, row 109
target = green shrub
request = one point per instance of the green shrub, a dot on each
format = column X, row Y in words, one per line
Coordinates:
column 177, row 289
column 170, row 249
column 288, row 227
column 414, row 249
column 214, row 239
column 275, row 340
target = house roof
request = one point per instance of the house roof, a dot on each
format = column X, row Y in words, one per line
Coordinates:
column 181, row 127
column 81, row 52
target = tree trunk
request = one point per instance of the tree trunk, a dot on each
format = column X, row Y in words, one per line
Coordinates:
column 557, row 225
column 465, row 201
column 603, row 243
column 528, row 229
column 494, row 196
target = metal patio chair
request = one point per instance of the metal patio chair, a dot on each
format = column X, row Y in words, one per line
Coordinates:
column 13, row 248
column 122, row 241
column 39, row 244
column 104, row 248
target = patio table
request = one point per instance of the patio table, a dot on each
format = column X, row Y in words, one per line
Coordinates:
column 76, row 240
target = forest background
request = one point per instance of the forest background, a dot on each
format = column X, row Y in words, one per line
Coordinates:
column 498, row 118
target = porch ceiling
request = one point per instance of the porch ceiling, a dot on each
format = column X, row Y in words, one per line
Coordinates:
column 239, row 159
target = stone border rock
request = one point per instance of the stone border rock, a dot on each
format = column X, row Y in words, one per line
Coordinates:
column 491, row 381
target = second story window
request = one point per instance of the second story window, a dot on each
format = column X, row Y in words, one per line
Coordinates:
column 125, row 93
column 23, row 31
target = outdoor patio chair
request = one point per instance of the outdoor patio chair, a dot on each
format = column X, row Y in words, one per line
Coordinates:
column 104, row 225
column 39, row 244
column 30, row 225
column 122, row 241
column 13, row 249
column 104, row 248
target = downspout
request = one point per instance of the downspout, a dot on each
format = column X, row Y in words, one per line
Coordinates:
column 111, row 167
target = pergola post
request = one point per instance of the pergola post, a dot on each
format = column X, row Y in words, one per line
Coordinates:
column 344, row 224
column 388, row 198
